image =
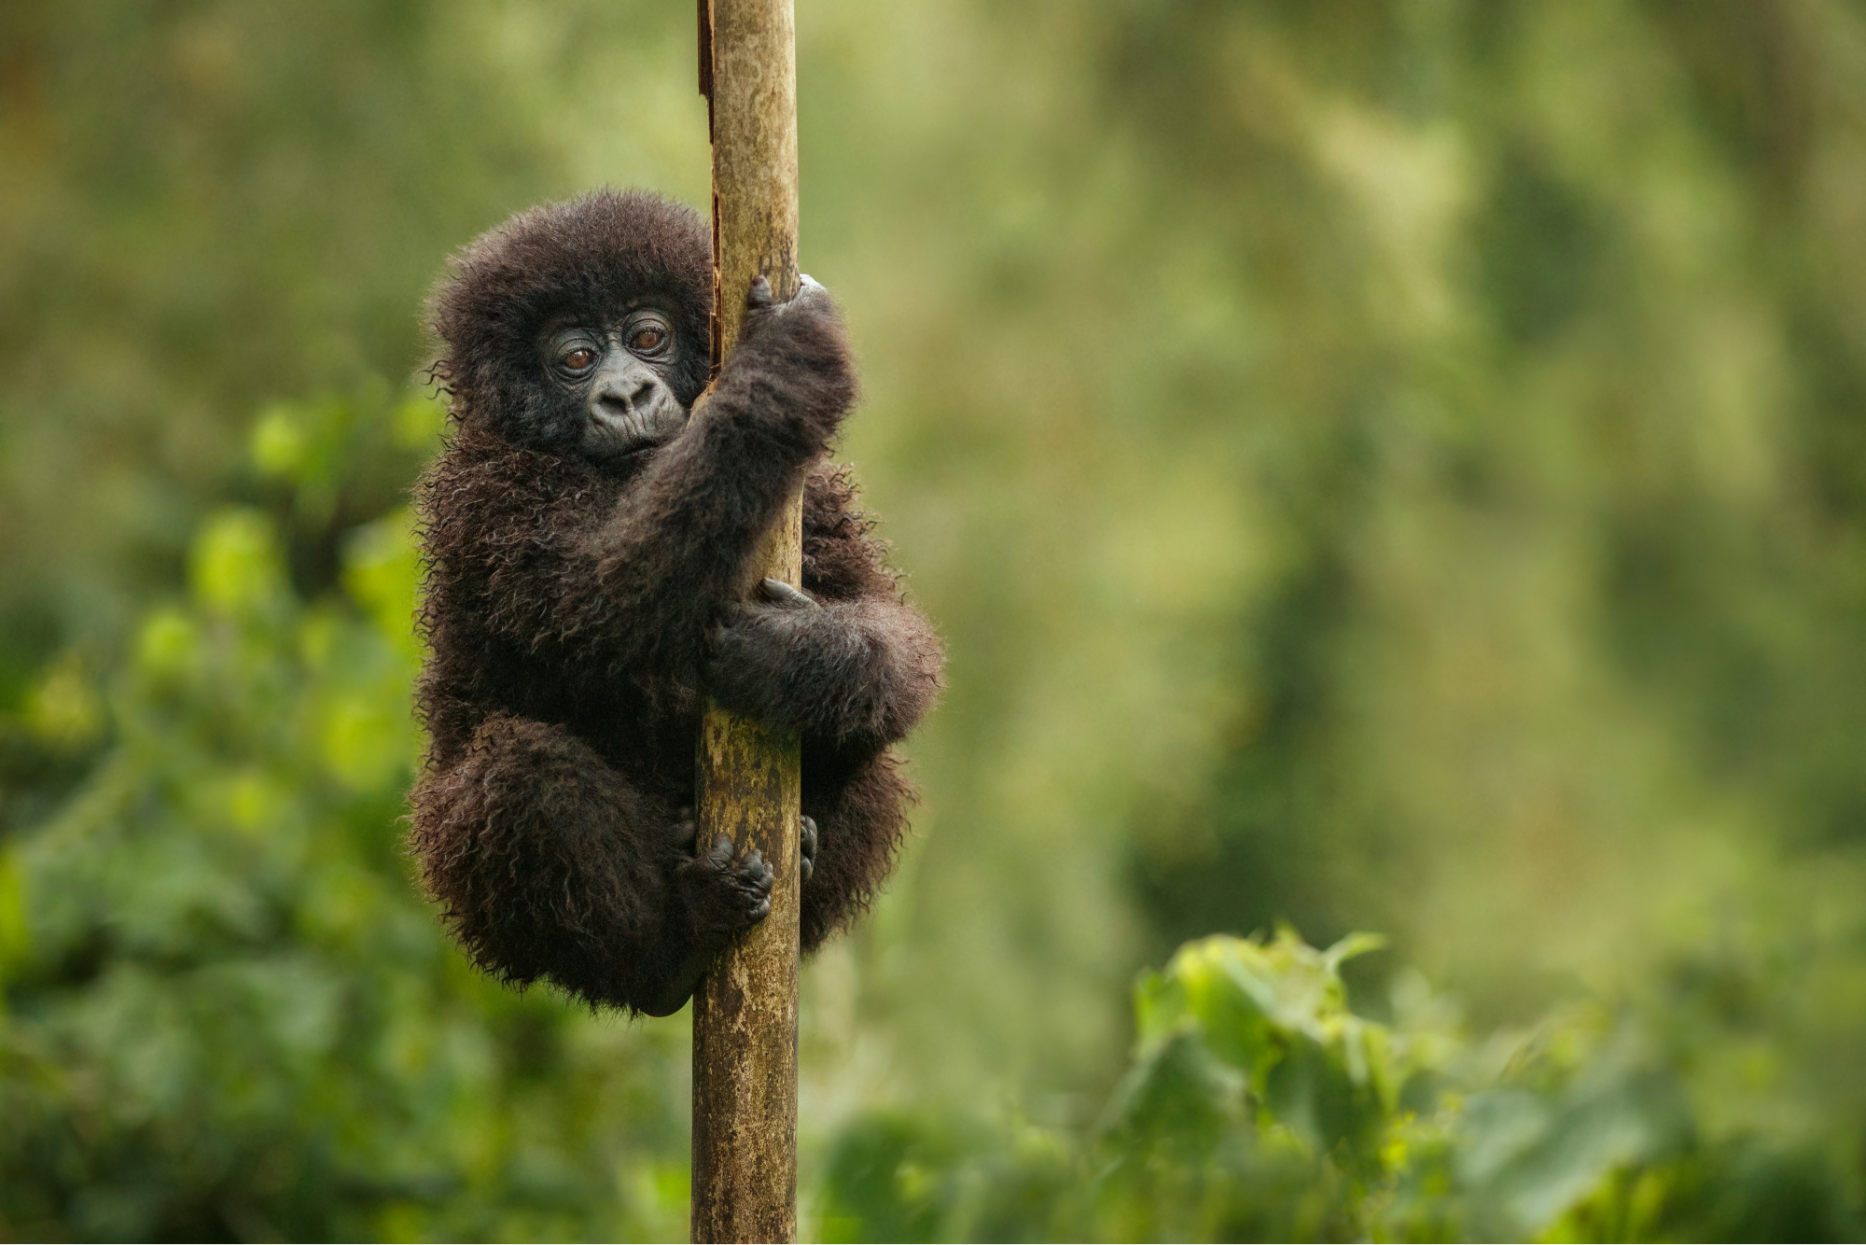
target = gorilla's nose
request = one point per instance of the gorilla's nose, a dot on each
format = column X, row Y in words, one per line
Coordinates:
column 620, row 400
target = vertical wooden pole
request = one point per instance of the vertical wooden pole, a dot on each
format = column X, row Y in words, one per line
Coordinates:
column 745, row 1012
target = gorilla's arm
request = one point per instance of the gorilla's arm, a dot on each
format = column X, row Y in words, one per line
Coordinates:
column 676, row 547
column 850, row 665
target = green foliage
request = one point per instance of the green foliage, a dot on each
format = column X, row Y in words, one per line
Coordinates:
column 228, row 1015
column 227, row 1012
column 1260, row 1107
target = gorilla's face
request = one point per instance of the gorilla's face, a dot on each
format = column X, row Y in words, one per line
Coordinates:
column 617, row 379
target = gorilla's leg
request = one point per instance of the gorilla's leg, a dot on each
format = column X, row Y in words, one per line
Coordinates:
column 552, row 865
column 859, row 824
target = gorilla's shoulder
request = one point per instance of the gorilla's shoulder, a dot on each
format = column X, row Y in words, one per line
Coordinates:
column 482, row 479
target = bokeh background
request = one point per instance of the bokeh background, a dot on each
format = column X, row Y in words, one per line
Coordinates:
column 1379, row 465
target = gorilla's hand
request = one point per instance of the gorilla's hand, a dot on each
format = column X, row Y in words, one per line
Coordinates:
column 800, row 352
column 763, row 655
column 810, row 317
column 847, row 673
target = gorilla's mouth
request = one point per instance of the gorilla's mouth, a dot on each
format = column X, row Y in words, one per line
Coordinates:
column 612, row 434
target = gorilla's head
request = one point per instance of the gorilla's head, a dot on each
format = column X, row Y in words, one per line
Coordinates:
column 580, row 327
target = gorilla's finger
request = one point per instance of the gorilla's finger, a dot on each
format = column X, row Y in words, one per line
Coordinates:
column 780, row 593
column 806, row 847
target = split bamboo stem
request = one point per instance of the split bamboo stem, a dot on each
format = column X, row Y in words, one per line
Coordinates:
column 745, row 1012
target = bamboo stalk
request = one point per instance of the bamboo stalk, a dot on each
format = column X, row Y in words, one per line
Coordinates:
column 745, row 1012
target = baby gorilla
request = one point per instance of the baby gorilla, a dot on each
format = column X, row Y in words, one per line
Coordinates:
column 589, row 535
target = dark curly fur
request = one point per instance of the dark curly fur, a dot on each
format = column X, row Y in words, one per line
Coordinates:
column 571, row 607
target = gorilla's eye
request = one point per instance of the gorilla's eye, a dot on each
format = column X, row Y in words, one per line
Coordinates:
column 579, row 358
column 647, row 339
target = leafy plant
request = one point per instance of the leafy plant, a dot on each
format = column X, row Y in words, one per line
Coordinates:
column 1259, row 1106
column 227, row 1012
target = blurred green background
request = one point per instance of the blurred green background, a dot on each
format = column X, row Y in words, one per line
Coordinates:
column 1390, row 465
